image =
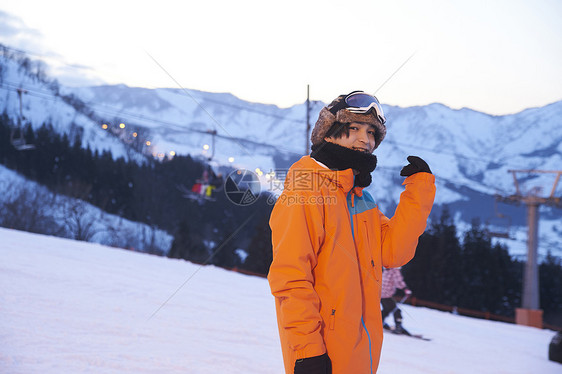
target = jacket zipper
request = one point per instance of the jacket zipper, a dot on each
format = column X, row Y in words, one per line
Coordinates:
column 332, row 319
column 351, row 214
column 369, row 337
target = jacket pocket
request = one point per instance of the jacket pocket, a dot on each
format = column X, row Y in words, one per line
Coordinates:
column 370, row 251
column 332, row 319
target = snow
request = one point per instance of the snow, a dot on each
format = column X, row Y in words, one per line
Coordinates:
column 76, row 307
column 68, row 212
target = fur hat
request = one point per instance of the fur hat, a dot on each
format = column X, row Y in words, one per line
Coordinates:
column 326, row 120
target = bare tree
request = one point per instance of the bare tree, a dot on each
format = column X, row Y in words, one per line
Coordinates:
column 79, row 220
column 28, row 209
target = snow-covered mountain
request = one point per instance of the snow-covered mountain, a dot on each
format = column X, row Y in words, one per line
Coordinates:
column 76, row 307
column 470, row 152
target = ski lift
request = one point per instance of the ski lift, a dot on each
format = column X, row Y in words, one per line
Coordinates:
column 19, row 143
column 209, row 183
column 499, row 219
column 213, row 134
column 204, row 187
column 18, row 140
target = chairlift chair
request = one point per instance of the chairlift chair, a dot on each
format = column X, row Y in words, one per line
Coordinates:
column 212, row 181
column 19, row 143
column 506, row 221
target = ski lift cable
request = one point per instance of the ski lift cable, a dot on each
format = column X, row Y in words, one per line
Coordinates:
column 44, row 94
column 115, row 112
column 197, row 102
column 99, row 108
column 269, row 114
column 30, row 92
column 40, row 56
column 247, row 109
column 124, row 114
column 381, row 168
column 127, row 115
column 19, row 84
column 388, row 141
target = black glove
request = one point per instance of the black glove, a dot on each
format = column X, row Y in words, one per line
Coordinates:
column 314, row 365
column 416, row 165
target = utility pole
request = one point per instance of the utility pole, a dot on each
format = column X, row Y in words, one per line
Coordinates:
column 529, row 314
column 307, row 137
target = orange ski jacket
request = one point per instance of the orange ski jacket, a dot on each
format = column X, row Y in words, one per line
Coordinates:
column 330, row 242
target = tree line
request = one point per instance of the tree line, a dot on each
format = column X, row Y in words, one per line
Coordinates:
column 470, row 271
column 150, row 192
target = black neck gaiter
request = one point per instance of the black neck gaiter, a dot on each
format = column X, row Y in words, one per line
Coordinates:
column 337, row 157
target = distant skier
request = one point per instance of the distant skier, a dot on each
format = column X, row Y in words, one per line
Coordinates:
column 392, row 281
column 206, row 185
column 215, row 183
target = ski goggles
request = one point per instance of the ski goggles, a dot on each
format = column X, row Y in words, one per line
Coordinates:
column 361, row 102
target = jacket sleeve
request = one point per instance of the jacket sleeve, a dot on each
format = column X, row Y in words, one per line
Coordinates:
column 297, row 234
column 400, row 234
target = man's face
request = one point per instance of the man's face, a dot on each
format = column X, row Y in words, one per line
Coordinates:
column 361, row 137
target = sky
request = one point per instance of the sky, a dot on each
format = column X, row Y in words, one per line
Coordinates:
column 499, row 57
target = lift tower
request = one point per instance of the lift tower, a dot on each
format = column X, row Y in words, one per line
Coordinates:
column 529, row 314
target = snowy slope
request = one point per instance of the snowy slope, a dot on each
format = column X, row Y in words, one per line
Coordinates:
column 67, row 213
column 75, row 307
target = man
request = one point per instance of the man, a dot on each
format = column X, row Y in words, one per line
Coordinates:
column 330, row 242
column 392, row 280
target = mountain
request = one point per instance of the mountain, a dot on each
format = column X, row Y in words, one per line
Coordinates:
column 76, row 307
column 43, row 102
column 470, row 152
